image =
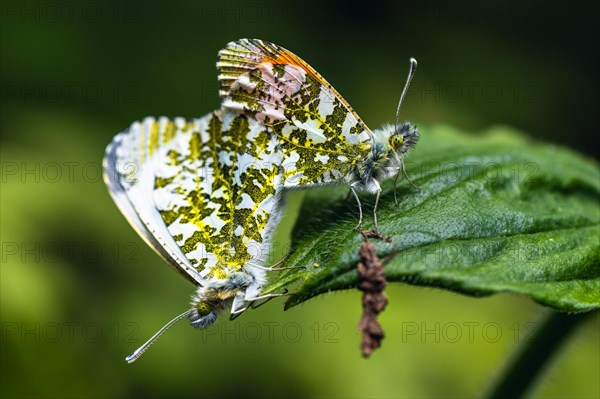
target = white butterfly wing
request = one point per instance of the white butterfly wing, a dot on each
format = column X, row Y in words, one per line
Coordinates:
column 130, row 176
column 204, row 194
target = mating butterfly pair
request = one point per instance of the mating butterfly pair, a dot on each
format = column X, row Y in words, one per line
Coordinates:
column 206, row 194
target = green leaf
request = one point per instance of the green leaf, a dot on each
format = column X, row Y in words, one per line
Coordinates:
column 494, row 213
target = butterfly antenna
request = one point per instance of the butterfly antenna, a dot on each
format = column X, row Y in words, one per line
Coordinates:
column 140, row 351
column 411, row 73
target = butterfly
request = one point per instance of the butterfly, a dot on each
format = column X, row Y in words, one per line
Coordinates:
column 321, row 138
column 207, row 193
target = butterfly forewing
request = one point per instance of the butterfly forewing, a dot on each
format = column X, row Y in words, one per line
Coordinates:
column 320, row 136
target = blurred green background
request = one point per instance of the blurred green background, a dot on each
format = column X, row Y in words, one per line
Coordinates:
column 79, row 288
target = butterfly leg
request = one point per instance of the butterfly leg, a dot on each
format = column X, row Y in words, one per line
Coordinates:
column 239, row 300
column 376, row 202
column 273, row 268
column 236, row 307
column 395, row 187
column 254, row 305
column 348, row 194
column 407, row 178
column 360, row 213
column 269, row 296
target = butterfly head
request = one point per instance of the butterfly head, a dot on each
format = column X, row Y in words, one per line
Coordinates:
column 403, row 138
column 216, row 296
column 203, row 313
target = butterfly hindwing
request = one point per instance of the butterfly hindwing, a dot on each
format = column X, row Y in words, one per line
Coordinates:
column 129, row 175
column 201, row 192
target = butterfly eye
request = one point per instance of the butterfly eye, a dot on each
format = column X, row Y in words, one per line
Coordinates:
column 396, row 141
column 203, row 308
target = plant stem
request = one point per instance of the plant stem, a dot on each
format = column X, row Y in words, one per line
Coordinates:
column 536, row 354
